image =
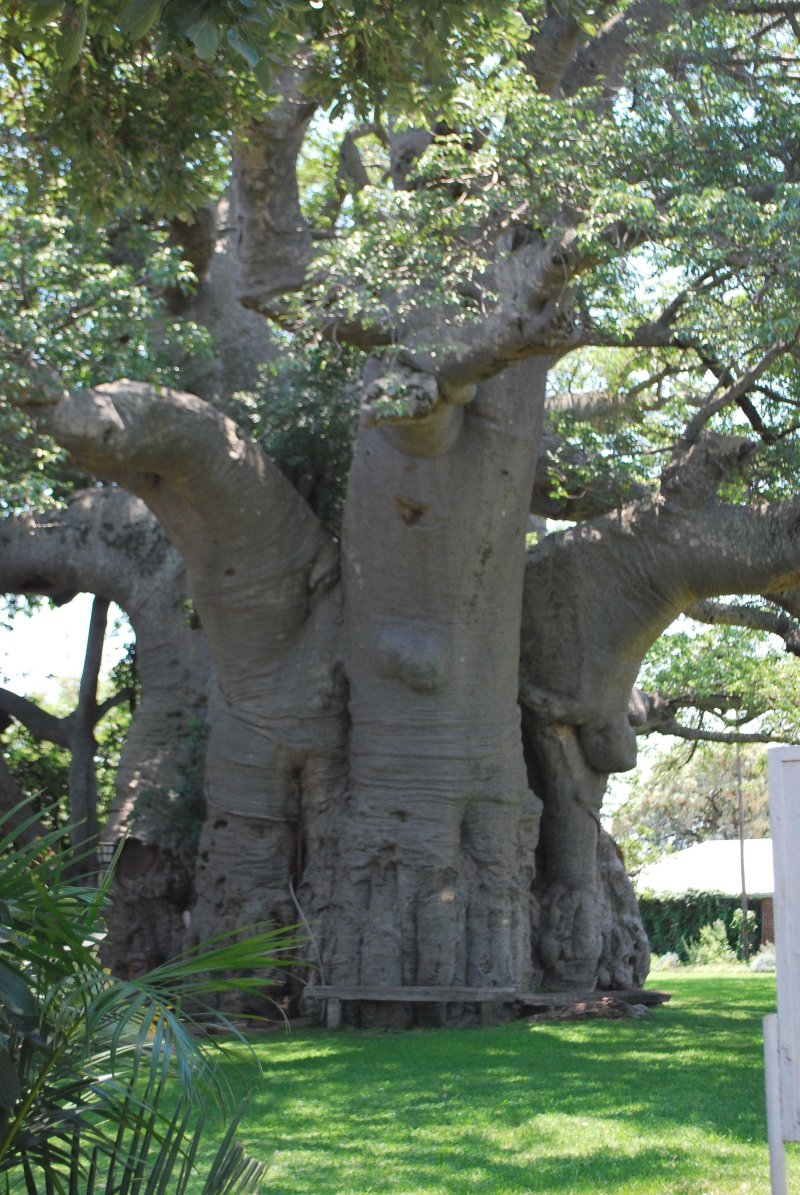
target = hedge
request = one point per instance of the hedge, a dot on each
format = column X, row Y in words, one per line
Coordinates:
column 671, row 922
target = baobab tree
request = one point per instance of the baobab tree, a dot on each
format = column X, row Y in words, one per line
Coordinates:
column 571, row 186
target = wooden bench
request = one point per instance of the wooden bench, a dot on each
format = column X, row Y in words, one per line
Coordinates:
column 333, row 996
column 487, row 998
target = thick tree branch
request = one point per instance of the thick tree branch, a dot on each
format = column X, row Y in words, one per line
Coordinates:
column 552, row 46
column 106, row 541
column 212, row 488
column 607, row 56
column 648, row 712
column 755, row 618
column 274, row 239
column 787, row 599
column 701, row 735
column 597, row 596
column 42, row 725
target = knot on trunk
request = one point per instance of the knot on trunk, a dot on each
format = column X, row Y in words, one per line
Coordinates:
column 609, row 743
column 400, row 396
column 409, row 406
column 412, row 656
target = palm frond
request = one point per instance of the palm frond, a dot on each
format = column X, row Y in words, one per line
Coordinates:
column 103, row 1084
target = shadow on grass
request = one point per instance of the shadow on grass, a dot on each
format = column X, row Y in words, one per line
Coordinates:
column 673, row 1103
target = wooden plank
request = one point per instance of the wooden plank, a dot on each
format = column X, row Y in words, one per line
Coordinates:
column 545, row 999
column 648, row 996
column 421, row 995
column 333, row 1013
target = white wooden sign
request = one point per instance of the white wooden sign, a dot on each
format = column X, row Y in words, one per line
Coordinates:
column 782, row 1034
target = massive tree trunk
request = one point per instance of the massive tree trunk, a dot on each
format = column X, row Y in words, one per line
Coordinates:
column 365, row 765
column 365, row 760
column 596, row 598
column 430, row 863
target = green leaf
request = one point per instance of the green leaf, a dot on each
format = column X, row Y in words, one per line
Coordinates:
column 73, row 31
column 203, row 34
column 263, row 76
column 44, row 11
column 250, row 55
column 138, row 16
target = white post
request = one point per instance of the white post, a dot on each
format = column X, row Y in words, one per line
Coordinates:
column 782, row 1033
column 777, row 1152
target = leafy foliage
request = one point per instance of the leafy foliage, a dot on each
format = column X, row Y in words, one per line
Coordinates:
column 683, row 925
column 82, row 305
column 86, row 1059
column 89, row 76
column 304, row 416
column 42, row 769
column 738, row 672
column 712, row 946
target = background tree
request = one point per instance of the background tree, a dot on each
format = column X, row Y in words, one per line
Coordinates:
column 724, row 688
column 689, row 795
column 622, row 180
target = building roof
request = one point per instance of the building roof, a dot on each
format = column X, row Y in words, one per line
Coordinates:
column 712, row 867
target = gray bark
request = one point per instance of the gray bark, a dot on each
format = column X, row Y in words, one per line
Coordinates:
column 82, row 775
column 428, row 874
column 368, row 771
column 596, row 598
column 241, row 339
column 274, row 240
column 106, row 542
column 263, row 577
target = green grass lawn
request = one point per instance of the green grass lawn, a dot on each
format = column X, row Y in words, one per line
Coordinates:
column 672, row 1103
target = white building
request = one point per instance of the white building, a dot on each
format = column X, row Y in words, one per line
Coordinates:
column 716, row 867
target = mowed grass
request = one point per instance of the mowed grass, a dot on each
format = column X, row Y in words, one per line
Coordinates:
column 671, row 1104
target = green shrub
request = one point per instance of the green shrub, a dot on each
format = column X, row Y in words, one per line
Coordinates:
column 671, row 922
column 711, row 946
column 738, row 922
